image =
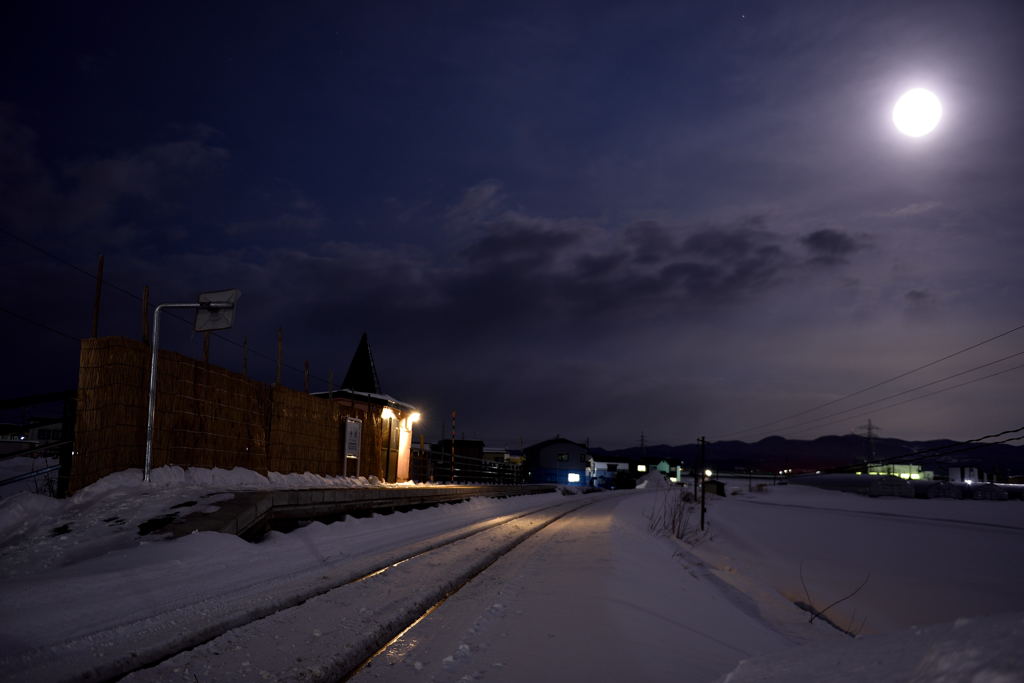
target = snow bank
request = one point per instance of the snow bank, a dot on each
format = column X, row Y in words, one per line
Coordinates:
column 983, row 650
column 653, row 480
column 922, row 561
column 23, row 512
column 39, row 533
column 20, row 464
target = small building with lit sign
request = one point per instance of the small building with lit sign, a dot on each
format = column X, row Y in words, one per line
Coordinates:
column 367, row 407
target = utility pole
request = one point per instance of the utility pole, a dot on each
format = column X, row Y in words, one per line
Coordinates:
column 703, row 484
column 145, row 315
column 698, row 467
column 453, row 446
column 870, row 430
column 97, row 298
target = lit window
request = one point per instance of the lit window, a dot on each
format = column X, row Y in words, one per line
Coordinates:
column 574, row 478
column 641, row 468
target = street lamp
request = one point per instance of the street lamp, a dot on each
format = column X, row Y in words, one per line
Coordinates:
column 214, row 311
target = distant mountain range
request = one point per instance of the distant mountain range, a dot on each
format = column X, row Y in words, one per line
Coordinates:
column 830, row 453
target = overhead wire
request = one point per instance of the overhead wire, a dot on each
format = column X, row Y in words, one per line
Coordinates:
column 949, row 449
column 875, row 385
column 930, row 393
column 44, row 326
column 135, row 296
column 913, row 389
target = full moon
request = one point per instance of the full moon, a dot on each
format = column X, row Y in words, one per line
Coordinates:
column 917, row 112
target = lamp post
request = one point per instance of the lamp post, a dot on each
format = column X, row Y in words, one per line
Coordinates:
column 214, row 311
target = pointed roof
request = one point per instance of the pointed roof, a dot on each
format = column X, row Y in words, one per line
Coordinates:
column 362, row 372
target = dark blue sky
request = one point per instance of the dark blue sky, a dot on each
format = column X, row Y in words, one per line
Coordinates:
column 592, row 218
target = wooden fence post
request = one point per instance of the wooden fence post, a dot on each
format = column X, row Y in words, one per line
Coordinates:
column 145, row 315
column 96, row 301
column 280, row 355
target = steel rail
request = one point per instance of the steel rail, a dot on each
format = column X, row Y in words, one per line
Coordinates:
column 141, row 660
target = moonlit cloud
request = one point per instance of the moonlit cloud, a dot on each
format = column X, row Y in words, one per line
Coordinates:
column 639, row 218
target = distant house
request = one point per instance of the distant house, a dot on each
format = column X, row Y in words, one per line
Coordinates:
column 558, row 461
column 903, row 471
column 607, row 470
column 966, row 475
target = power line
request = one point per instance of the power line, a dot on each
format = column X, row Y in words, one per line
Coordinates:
column 912, row 389
column 950, row 449
column 930, row 393
column 30, row 321
column 135, row 296
column 67, row 263
column 877, row 384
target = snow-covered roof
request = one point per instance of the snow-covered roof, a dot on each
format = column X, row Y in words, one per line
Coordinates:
column 369, row 397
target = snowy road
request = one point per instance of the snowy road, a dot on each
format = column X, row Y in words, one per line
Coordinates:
column 329, row 636
column 105, row 615
column 593, row 597
column 545, row 587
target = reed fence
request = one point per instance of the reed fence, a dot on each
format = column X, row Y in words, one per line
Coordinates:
column 206, row 416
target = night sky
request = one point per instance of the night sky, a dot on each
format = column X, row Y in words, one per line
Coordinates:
column 593, row 219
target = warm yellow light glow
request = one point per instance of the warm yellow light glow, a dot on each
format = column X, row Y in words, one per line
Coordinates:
column 387, row 414
column 917, row 112
column 414, row 417
column 708, row 473
column 641, row 468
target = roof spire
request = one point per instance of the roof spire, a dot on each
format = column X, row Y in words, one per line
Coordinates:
column 362, row 371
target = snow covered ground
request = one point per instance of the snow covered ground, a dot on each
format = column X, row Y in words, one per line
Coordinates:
column 593, row 596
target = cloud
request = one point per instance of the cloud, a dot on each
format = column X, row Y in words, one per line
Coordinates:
column 915, row 209
column 27, row 192
column 830, row 247
column 300, row 215
column 650, row 242
column 479, row 204
column 524, row 244
column 919, row 303
column 151, row 174
column 112, row 200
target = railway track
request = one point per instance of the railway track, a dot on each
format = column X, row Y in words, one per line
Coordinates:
column 333, row 635
column 302, row 629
